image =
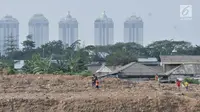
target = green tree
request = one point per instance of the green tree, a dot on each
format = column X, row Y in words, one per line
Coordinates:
column 10, row 46
column 196, row 50
column 54, row 47
column 165, row 47
column 124, row 53
column 28, row 43
column 38, row 65
column 74, row 59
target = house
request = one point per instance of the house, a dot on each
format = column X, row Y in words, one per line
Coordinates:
column 183, row 71
column 170, row 62
column 103, row 70
column 136, row 70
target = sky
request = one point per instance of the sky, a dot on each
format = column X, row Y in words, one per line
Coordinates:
column 161, row 17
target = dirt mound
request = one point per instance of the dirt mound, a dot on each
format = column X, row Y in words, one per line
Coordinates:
column 59, row 93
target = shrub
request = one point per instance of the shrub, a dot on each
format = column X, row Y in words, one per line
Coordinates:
column 86, row 73
column 191, row 81
column 11, row 71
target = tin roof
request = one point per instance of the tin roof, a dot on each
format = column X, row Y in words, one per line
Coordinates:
column 180, row 59
column 134, row 68
column 185, row 69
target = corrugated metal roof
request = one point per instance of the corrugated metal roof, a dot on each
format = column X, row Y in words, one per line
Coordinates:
column 169, row 72
column 185, row 69
column 180, row 59
column 147, row 60
column 140, row 69
column 104, row 69
column 122, row 68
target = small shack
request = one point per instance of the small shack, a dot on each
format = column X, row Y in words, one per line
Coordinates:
column 170, row 62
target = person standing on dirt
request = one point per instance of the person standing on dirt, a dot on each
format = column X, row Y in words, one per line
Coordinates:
column 178, row 83
column 94, row 78
column 186, row 84
column 97, row 83
column 156, row 77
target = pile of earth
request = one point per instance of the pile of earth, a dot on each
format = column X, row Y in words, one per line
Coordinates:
column 63, row 93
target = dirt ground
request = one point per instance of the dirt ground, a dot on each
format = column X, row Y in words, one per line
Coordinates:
column 59, row 93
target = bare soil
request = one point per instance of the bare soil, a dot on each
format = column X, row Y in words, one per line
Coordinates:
column 61, row 93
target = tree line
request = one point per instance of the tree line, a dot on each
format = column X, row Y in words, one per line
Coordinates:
column 74, row 58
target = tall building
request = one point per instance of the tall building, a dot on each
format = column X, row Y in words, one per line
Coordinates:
column 39, row 29
column 68, row 30
column 104, row 27
column 9, row 33
column 133, row 30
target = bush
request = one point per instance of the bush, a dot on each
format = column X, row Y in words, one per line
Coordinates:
column 11, row 71
column 58, row 73
column 86, row 73
column 191, row 81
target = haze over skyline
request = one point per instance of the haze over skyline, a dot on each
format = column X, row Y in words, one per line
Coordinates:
column 161, row 17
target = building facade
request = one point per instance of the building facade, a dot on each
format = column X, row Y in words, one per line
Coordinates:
column 104, row 27
column 133, row 30
column 68, row 30
column 39, row 29
column 9, row 33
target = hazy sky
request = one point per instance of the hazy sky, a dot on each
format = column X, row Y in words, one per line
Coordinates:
column 164, row 23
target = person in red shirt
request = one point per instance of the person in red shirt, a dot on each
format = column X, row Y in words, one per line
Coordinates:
column 178, row 83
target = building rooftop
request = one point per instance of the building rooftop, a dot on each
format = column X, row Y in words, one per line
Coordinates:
column 181, row 59
column 134, row 18
column 147, row 60
column 9, row 18
column 68, row 19
column 138, row 69
column 38, row 18
column 104, row 18
column 185, row 69
column 103, row 69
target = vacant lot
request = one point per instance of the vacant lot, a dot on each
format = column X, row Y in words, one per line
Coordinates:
column 59, row 93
